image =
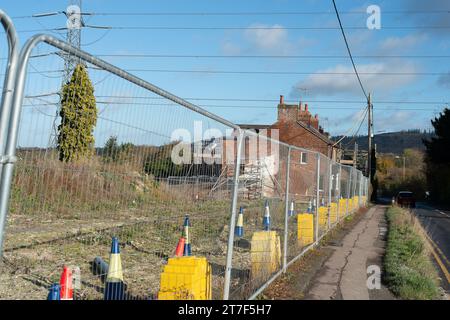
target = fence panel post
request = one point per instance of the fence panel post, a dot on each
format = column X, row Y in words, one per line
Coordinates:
column 316, row 219
column 339, row 192
column 330, row 186
column 286, row 211
column 349, row 183
column 355, row 184
column 229, row 261
column 360, row 188
column 5, row 108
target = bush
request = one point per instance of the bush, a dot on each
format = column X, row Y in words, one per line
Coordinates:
column 113, row 152
column 160, row 164
column 78, row 117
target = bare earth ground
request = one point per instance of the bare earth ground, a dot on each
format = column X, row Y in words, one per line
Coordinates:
column 338, row 268
column 38, row 245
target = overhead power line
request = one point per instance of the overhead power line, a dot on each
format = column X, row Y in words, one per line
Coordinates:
column 367, row 110
column 245, row 13
column 207, row 56
column 287, row 72
column 360, row 122
column 266, row 72
column 138, row 97
column 189, row 28
column 348, row 50
column 213, row 106
column 202, row 56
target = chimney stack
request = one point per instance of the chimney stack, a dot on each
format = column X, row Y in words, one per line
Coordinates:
column 306, row 107
column 281, row 99
column 316, row 116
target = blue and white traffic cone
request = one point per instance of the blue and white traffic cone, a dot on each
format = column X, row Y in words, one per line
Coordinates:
column 114, row 286
column 187, row 242
column 239, row 230
column 54, row 292
column 266, row 218
column 309, row 210
column 291, row 209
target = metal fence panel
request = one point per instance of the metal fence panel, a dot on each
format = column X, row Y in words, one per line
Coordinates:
column 126, row 185
column 302, row 189
column 150, row 165
column 262, row 182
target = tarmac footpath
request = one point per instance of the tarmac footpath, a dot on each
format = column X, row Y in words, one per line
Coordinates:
column 344, row 275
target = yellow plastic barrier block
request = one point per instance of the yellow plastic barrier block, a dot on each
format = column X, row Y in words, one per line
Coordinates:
column 333, row 212
column 342, row 207
column 323, row 217
column 265, row 254
column 186, row 278
column 356, row 202
column 305, row 229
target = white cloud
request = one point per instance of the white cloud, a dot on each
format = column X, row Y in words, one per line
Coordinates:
column 274, row 38
column 230, row 48
column 347, row 83
column 402, row 43
column 265, row 39
column 397, row 120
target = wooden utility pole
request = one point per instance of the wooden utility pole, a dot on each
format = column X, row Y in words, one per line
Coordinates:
column 355, row 155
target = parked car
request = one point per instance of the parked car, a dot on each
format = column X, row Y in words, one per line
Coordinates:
column 406, row 199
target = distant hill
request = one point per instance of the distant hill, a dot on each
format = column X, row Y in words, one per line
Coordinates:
column 392, row 142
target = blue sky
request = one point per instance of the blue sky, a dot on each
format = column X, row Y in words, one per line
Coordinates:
column 323, row 92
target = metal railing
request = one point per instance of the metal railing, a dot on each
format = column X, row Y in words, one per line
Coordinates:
column 6, row 102
column 127, row 185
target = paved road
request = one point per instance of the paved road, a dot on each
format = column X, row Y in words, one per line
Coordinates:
column 436, row 222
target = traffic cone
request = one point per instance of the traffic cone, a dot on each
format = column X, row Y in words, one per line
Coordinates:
column 266, row 218
column 54, row 292
column 187, row 243
column 114, row 287
column 66, row 284
column 180, row 247
column 322, row 202
column 239, row 230
column 309, row 207
column 314, row 206
column 291, row 209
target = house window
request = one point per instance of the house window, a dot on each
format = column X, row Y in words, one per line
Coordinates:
column 303, row 158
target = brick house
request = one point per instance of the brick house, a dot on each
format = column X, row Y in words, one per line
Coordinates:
column 296, row 126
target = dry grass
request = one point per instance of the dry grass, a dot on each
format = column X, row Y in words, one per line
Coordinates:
column 410, row 274
column 66, row 213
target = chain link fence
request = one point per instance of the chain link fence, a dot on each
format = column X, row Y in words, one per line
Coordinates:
column 137, row 167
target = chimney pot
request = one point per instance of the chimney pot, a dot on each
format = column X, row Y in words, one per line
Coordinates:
column 316, row 116
column 281, row 99
column 306, row 107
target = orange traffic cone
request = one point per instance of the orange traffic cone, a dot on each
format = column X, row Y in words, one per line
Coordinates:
column 66, row 284
column 180, row 247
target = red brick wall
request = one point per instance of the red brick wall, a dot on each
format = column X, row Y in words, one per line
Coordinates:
column 294, row 134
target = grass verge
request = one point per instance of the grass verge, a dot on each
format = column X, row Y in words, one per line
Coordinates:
column 410, row 273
